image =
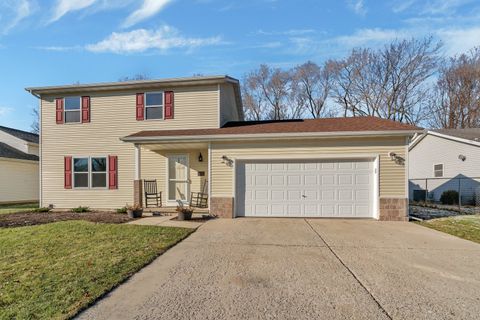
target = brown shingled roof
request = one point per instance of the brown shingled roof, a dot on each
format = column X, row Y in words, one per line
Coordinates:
column 323, row 125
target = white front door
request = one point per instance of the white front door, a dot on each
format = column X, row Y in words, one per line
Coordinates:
column 296, row 188
column 177, row 179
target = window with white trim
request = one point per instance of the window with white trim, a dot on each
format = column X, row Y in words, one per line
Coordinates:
column 72, row 109
column 90, row 172
column 153, row 105
column 438, row 170
column 80, row 172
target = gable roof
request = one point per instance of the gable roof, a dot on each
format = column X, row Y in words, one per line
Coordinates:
column 308, row 127
column 468, row 133
column 24, row 135
column 469, row 136
column 9, row 152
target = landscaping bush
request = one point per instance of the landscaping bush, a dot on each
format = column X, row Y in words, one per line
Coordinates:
column 449, row 197
column 122, row 210
column 42, row 209
column 80, row 209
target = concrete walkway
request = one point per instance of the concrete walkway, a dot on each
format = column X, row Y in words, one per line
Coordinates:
column 166, row 221
column 304, row 269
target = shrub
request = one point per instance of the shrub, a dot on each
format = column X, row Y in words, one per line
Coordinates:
column 42, row 209
column 80, row 209
column 122, row 210
column 449, row 197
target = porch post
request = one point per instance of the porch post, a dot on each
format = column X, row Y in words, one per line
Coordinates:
column 137, row 182
column 209, row 174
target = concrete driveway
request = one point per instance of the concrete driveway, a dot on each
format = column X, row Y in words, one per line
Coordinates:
column 304, row 269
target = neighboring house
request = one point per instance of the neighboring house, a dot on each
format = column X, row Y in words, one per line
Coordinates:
column 19, row 177
column 99, row 141
column 445, row 159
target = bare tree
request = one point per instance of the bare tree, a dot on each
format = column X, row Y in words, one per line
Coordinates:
column 266, row 92
column 455, row 102
column 35, row 126
column 310, row 88
column 390, row 83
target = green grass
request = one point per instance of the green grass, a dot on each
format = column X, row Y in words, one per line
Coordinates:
column 466, row 227
column 54, row 270
column 13, row 208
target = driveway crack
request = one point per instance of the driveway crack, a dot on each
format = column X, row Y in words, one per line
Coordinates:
column 349, row 270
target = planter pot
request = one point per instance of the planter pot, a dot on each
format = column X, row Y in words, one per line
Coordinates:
column 184, row 215
column 135, row 213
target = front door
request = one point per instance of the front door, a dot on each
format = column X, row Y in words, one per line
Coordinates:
column 178, row 178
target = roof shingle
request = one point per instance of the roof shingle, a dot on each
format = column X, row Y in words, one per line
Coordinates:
column 7, row 151
column 24, row 135
column 468, row 133
column 352, row 124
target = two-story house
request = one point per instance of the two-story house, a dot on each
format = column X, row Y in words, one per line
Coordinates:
column 99, row 141
column 18, row 166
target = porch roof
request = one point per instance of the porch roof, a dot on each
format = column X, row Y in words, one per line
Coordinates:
column 325, row 127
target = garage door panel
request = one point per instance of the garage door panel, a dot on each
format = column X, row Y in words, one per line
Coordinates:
column 328, row 179
column 296, row 188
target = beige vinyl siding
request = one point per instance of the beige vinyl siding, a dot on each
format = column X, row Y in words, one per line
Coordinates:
column 18, row 180
column 392, row 175
column 228, row 104
column 112, row 117
column 154, row 166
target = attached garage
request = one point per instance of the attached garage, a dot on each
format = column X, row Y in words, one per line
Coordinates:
column 329, row 188
column 325, row 168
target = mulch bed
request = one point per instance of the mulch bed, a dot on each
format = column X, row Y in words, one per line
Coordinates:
column 22, row 219
column 196, row 218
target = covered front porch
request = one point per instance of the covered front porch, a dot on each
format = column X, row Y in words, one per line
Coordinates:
column 178, row 173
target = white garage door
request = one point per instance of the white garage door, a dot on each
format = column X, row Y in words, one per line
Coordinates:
column 295, row 188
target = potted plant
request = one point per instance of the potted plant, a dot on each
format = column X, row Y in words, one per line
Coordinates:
column 184, row 213
column 134, row 211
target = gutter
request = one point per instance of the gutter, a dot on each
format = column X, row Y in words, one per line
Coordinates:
column 267, row 136
column 127, row 85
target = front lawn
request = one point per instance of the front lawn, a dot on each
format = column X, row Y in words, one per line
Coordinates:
column 56, row 269
column 12, row 208
column 466, row 227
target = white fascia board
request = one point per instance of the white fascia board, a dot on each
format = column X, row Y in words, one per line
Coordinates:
column 267, row 136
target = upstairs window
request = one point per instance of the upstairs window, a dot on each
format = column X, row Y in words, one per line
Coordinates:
column 72, row 107
column 438, row 170
column 153, row 105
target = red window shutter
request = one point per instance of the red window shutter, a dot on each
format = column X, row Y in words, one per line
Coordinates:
column 85, row 109
column 59, row 110
column 68, row 172
column 140, row 107
column 112, row 172
column 168, row 104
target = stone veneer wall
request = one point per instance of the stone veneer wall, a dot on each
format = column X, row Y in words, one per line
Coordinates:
column 393, row 209
column 221, row 207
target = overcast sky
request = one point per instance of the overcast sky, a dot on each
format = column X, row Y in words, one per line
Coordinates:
column 54, row 42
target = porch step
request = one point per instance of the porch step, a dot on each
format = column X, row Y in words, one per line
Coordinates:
column 171, row 211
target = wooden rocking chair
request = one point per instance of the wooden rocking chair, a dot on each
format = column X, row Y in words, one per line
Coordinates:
column 152, row 196
column 199, row 199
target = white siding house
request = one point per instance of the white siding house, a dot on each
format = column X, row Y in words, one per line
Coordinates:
column 19, row 178
column 447, row 159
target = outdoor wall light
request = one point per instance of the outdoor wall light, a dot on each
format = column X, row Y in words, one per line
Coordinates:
column 396, row 158
column 462, row 157
column 227, row 161
column 200, row 157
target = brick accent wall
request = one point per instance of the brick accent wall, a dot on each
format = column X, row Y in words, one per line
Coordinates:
column 393, row 209
column 221, row 207
column 138, row 192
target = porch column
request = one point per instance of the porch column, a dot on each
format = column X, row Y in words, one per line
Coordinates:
column 137, row 182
